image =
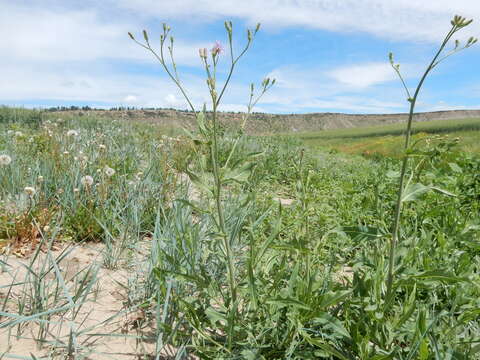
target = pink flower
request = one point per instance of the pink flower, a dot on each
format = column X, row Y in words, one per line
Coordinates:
column 217, row 48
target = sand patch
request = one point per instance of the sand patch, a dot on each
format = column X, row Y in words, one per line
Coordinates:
column 105, row 326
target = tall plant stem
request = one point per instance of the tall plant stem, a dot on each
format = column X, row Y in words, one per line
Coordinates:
column 398, row 205
column 221, row 221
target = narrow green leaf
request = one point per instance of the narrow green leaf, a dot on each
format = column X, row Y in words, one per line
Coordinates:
column 284, row 302
column 332, row 298
column 442, row 191
column 439, row 275
column 414, row 191
column 332, row 323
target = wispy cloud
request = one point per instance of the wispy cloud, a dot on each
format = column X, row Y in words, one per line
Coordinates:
column 316, row 89
column 393, row 19
column 54, row 35
column 363, row 75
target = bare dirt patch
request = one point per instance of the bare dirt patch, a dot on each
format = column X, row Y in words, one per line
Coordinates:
column 105, row 327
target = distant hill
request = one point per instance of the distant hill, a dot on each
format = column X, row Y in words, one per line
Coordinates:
column 262, row 123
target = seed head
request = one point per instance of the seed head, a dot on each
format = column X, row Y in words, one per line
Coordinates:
column 87, row 181
column 30, row 191
column 5, row 160
column 109, row 171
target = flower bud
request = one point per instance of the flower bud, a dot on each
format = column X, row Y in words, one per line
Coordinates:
column 145, row 36
column 472, row 40
column 390, row 57
column 228, row 26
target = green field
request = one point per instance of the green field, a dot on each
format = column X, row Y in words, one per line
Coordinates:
column 308, row 231
column 388, row 139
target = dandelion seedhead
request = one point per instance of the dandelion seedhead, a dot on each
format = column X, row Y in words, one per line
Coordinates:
column 72, row 133
column 5, row 160
column 87, row 181
column 30, row 191
column 109, row 171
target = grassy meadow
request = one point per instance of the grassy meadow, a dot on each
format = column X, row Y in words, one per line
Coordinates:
column 308, row 233
column 389, row 139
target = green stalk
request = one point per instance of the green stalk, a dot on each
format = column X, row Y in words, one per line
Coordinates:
column 221, row 219
column 212, row 136
column 457, row 24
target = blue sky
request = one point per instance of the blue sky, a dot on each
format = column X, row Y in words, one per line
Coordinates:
column 326, row 55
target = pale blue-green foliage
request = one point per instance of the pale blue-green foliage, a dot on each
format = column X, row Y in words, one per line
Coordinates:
column 55, row 158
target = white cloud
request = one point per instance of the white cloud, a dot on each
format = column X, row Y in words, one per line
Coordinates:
column 239, row 108
column 393, row 19
column 363, row 75
column 172, row 101
column 130, row 99
column 312, row 89
column 42, row 34
column 444, row 106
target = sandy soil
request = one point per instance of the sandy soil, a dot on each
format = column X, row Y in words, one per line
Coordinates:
column 105, row 311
